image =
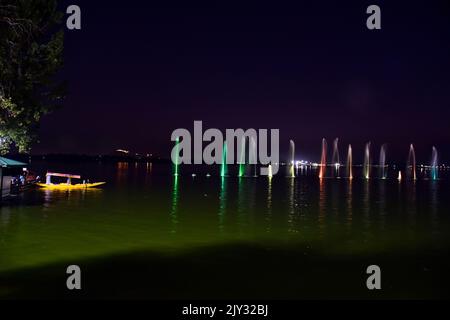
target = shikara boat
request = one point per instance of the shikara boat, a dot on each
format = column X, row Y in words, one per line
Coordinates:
column 67, row 185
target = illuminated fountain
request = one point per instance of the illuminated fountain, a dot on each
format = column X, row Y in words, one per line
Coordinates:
column 252, row 158
column 399, row 178
column 269, row 171
column 323, row 159
column 434, row 164
column 291, row 165
column 367, row 161
column 335, row 158
column 242, row 159
column 349, row 162
column 382, row 165
column 176, row 165
column 223, row 168
column 411, row 166
column 248, row 158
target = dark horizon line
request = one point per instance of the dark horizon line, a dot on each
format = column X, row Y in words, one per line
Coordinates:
column 118, row 158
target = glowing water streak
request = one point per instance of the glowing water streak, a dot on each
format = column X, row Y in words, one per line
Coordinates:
column 350, row 162
column 242, row 159
column 177, row 157
column 223, row 169
column 269, row 173
column 323, row 159
column 335, row 159
column 367, row 161
column 292, row 159
column 382, row 164
column 412, row 163
column 399, row 178
column 434, row 164
column 253, row 157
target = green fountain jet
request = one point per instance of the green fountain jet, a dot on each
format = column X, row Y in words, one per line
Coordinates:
column 177, row 157
column 223, row 169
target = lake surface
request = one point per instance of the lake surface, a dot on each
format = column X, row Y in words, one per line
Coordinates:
column 147, row 234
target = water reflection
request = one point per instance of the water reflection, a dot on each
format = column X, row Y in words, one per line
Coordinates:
column 7, row 226
column 5, row 215
column 349, row 214
column 269, row 205
column 303, row 204
column 335, row 196
column 222, row 203
column 241, row 206
column 349, row 218
column 246, row 203
column 411, row 204
column 382, row 203
column 292, row 206
column 322, row 207
column 174, row 208
column 69, row 197
column 148, row 173
column 251, row 185
column 122, row 172
column 366, row 205
column 434, row 206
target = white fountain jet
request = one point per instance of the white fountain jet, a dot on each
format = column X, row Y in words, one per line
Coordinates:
column 411, row 166
column 291, row 166
column 367, row 161
column 350, row 162
column 434, row 164
column 382, row 164
column 323, row 159
column 335, row 158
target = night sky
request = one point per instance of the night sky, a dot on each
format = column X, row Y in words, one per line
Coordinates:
column 140, row 69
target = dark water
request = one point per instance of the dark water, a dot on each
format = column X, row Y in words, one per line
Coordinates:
column 168, row 237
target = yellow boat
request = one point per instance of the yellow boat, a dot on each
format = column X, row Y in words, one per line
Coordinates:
column 68, row 185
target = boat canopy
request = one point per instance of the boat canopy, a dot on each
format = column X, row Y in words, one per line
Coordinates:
column 63, row 175
column 8, row 163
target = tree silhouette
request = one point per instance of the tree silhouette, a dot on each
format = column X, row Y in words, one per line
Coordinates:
column 31, row 47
